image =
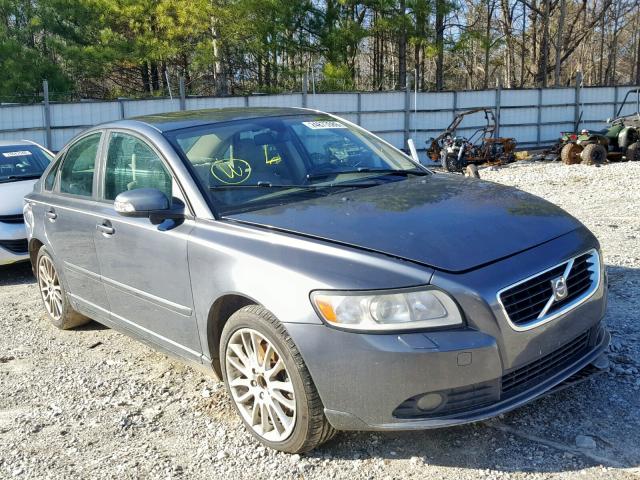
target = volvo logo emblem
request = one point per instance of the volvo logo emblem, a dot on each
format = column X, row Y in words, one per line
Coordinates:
column 559, row 287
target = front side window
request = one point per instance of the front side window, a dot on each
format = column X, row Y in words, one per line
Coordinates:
column 50, row 180
column 248, row 164
column 132, row 164
column 22, row 162
column 78, row 167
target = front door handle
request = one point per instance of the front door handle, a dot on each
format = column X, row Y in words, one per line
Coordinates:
column 105, row 228
column 51, row 214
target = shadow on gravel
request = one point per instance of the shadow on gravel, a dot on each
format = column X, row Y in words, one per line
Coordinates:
column 91, row 327
column 16, row 274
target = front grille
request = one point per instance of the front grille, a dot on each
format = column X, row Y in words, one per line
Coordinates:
column 18, row 218
column 539, row 370
column 15, row 246
column 528, row 301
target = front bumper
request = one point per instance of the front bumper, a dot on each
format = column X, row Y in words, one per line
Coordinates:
column 370, row 382
column 13, row 243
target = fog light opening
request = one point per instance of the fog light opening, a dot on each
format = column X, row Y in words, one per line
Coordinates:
column 429, row 402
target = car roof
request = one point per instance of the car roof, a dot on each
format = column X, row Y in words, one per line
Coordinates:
column 15, row 143
column 165, row 122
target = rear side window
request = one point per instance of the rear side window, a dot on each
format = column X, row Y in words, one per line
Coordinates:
column 50, row 181
column 78, row 167
column 132, row 164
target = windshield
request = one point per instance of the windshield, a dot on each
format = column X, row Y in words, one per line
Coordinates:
column 22, row 162
column 260, row 162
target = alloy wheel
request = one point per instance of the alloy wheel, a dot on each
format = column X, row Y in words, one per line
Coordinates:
column 260, row 385
column 50, row 287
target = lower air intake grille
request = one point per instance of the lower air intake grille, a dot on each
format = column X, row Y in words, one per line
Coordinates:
column 15, row 246
column 538, row 371
column 17, row 218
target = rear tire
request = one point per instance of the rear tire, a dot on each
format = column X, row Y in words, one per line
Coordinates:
column 53, row 294
column 269, row 384
column 633, row 152
column 594, row 154
column 570, row 154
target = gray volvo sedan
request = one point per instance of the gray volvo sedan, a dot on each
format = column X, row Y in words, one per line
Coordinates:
column 332, row 282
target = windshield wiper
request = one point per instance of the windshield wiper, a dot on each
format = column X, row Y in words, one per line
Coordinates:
column 12, row 178
column 301, row 186
column 383, row 171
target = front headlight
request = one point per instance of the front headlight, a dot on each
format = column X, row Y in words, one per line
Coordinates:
column 387, row 310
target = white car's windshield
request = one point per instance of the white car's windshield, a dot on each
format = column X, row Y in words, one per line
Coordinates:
column 22, row 162
column 254, row 162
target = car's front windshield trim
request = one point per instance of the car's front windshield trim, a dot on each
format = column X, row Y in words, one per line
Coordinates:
column 393, row 163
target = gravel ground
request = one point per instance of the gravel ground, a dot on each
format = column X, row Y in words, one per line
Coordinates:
column 93, row 403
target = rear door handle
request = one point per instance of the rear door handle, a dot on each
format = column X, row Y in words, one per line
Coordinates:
column 51, row 214
column 105, row 228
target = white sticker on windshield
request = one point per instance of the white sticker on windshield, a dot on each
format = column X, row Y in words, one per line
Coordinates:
column 323, row 124
column 19, row 153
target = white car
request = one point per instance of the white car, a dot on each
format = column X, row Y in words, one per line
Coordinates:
column 21, row 165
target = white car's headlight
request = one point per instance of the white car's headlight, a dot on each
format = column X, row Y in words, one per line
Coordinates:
column 387, row 310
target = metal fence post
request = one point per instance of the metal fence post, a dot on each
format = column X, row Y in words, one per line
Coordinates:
column 47, row 113
column 183, row 94
column 305, row 89
column 121, row 105
column 407, row 109
column 455, row 103
column 576, row 113
column 615, row 102
column 498, row 100
column 359, row 112
column 538, row 132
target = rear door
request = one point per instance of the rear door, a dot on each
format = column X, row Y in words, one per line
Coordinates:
column 144, row 266
column 70, row 223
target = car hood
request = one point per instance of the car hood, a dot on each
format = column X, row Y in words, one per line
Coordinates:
column 448, row 222
column 12, row 196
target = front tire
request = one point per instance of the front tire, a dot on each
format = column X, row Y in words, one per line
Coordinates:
column 594, row 154
column 54, row 296
column 269, row 384
column 570, row 154
column 633, row 152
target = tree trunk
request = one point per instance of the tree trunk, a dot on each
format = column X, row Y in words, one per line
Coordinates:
column 440, row 6
column 509, row 55
column 155, row 84
column 601, row 63
column 638, row 61
column 220, row 82
column 523, row 50
column 487, row 45
column 614, row 48
column 544, row 45
column 144, row 73
column 560, row 41
column 402, row 49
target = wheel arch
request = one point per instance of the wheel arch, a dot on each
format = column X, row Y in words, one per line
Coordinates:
column 627, row 136
column 219, row 313
column 34, row 248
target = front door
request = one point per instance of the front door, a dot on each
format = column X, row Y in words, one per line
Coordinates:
column 144, row 266
column 70, row 224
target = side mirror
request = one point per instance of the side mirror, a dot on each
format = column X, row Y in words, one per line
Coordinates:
column 141, row 202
